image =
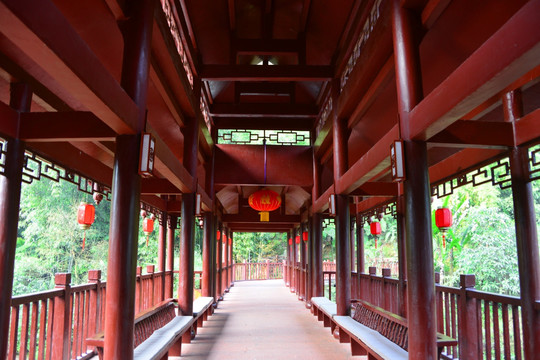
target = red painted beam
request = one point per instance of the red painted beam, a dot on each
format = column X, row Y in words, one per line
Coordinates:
column 252, row 110
column 244, row 165
column 153, row 186
column 10, row 117
column 506, row 56
column 64, row 126
column 258, row 227
column 54, row 44
column 269, row 123
column 253, row 217
column 369, row 165
column 377, row 189
column 528, row 128
column 206, row 201
column 469, row 134
column 267, row 73
column 154, row 201
column 168, row 165
column 266, row 46
column 321, row 204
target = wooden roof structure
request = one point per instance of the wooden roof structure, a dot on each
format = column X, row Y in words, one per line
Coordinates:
column 339, row 70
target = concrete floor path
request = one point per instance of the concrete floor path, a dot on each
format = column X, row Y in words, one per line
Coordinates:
column 261, row 320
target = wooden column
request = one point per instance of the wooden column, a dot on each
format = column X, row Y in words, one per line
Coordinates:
column 10, row 197
column 186, row 271
column 124, row 224
column 219, row 253
column 214, row 258
column 343, row 250
column 420, row 275
column 361, row 259
column 231, row 272
column 287, row 262
column 162, row 252
column 526, row 234
column 309, row 271
column 207, row 255
column 318, row 285
column 402, row 258
column 171, row 226
column 302, row 245
column 227, row 269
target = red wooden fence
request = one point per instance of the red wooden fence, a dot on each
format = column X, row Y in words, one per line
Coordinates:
column 258, row 271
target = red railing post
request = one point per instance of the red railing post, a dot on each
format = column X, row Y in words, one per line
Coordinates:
column 138, row 290
column 267, row 270
column 150, row 295
column 62, row 318
column 439, row 304
column 467, row 321
column 372, row 297
column 94, row 312
column 245, row 270
column 386, row 293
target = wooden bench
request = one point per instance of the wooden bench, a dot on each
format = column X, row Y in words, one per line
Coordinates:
column 202, row 308
column 158, row 332
column 378, row 333
column 325, row 310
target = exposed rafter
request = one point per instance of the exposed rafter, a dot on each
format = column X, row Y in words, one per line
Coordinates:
column 267, row 73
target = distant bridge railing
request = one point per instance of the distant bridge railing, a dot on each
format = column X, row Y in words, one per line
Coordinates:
column 258, row 271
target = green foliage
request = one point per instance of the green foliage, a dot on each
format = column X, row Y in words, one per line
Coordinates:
column 257, row 247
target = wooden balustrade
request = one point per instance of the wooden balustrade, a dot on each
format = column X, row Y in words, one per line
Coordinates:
column 258, row 271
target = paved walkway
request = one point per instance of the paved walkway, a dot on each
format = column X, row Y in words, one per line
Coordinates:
column 263, row 320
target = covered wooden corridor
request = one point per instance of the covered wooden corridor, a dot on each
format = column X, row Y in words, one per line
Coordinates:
column 263, row 320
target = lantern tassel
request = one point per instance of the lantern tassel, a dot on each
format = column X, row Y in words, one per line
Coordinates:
column 84, row 240
column 146, row 240
column 375, row 242
column 444, row 241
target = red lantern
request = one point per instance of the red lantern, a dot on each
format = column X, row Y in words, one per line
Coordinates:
column 224, row 238
column 443, row 220
column 297, row 239
column 230, row 241
column 375, row 228
column 148, row 227
column 305, row 236
column 85, row 217
column 265, row 201
column 218, row 235
column 290, row 241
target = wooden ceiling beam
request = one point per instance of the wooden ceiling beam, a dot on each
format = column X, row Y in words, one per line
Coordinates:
column 64, row 56
column 253, row 217
column 251, row 110
column 264, row 88
column 259, row 227
column 267, row 46
column 155, row 186
column 268, row 123
column 377, row 189
column 267, row 73
column 64, row 126
column 481, row 134
column 477, row 79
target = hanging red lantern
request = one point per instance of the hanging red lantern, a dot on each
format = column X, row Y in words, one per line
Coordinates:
column 264, row 201
column 443, row 220
column 290, row 241
column 230, row 241
column 297, row 239
column 148, row 227
column 224, row 238
column 305, row 236
column 85, row 217
column 218, row 235
column 375, row 228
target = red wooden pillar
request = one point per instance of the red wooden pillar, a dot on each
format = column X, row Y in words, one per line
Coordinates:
column 360, row 256
column 286, row 269
column 226, row 261
column 185, row 275
column 231, row 272
column 421, row 285
column 213, row 282
column 207, row 255
column 402, row 258
column 219, row 253
column 124, row 225
column 302, row 294
column 309, row 270
column 293, row 262
column 317, row 268
column 10, row 195
column 62, row 318
column 526, row 234
column 171, row 226
column 343, row 249
column 162, row 254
